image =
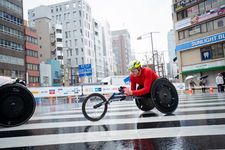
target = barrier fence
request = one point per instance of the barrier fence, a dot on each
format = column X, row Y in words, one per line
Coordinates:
column 40, row 92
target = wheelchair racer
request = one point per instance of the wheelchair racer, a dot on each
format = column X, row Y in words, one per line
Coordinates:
column 142, row 76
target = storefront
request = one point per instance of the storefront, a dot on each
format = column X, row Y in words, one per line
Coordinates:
column 204, row 56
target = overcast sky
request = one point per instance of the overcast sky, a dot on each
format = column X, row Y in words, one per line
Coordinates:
column 137, row 16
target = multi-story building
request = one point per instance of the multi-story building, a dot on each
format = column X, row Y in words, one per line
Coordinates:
column 55, row 72
column 122, row 50
column 108, row 54
column 98, row 49
column 172, row 68
column 31, row 59
column 200, row 37
column 45, row 74
column 12, row 39
column 76, row 20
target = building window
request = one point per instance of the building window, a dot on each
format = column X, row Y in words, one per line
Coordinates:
column 75, row 24
column 74, row 33
column 202, row 8
column 82, row 60
column 193, row 11
column 212, row 52
column 218, row 23
column 74, row 14
column 217, row 51
column 194, row 30
column 67, row 6
column 209, row 26
column 208, row 5
column 76, row 61
column 59, row 40
column 74, row 5
column 203, row 28
column 181, row 35
column 67, row 25
column 76, row 42
column 11, row 45
column 77, row 51
column 186, row 33
column 32, row 53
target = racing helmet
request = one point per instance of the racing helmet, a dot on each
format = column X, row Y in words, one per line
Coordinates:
column 134, row 64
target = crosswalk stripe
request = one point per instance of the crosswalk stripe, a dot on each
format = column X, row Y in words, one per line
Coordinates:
column 111, row 135
column 126, row 113
column 115, row 121
column 131, row 105
column 194, row 110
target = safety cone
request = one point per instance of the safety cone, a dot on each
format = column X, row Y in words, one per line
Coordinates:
column 50, row 100
column 69, row 99
column 190, row 92
column 211, row 90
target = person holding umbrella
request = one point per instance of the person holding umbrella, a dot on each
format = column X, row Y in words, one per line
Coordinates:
column 192, row 85
column 202, row 83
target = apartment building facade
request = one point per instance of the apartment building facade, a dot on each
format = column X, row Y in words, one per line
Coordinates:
column 12, row 52
column 31, row 58
column 98, row 49
column 200, row 37
column 76, row 19
column 122, row 50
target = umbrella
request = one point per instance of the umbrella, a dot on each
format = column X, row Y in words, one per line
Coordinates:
column 205, row 76
column 189, row 77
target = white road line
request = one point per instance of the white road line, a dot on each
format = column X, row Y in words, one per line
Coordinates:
column 137, row 111
column 111, row 135
column 131, row 105
column 114, row 121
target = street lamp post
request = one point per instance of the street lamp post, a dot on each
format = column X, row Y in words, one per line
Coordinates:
column 141, row 37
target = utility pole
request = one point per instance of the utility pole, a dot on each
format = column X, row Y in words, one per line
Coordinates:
column 152, row 47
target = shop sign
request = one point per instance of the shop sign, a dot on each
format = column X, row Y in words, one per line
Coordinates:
column 204, row 66
column 201, row 42
column 199, row 18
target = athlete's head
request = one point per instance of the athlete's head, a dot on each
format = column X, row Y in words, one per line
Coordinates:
column 134, row 67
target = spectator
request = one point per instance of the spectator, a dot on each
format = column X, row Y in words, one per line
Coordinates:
column 202, row 83
column 223, row 83
column 192, row 85
column 219, row 82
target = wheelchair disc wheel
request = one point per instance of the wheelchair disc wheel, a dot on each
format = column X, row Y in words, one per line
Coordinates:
column 144, row 104
column 89, row 111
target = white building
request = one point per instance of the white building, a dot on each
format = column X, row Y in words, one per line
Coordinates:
column 172, row 66
column 108, row 54
column 98, row 48
column 76, row 20
column 56, row 42
column 45, row 74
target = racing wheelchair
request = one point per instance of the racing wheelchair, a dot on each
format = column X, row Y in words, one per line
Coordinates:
column 163, row 96
column 17, row 104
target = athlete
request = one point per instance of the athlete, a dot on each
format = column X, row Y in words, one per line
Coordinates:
column 142, row 76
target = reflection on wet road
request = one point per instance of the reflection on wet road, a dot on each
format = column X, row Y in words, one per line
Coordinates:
column 198, row 123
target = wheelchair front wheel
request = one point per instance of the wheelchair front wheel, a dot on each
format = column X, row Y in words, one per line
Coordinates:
column 94, row 107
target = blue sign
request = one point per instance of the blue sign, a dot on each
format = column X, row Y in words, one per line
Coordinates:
column 127, row 80
column 85, row 70
column 206, row 55
column 201, row 42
